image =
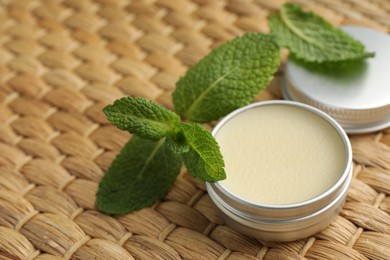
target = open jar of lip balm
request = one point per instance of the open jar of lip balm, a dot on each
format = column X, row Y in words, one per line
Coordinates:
column 288, row 168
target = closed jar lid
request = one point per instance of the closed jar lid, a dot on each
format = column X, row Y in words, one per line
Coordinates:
column 357, row 94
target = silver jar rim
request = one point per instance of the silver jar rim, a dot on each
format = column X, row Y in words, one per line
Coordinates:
column 270, row 223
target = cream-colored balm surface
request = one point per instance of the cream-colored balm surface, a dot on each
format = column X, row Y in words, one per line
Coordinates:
column 278, row 154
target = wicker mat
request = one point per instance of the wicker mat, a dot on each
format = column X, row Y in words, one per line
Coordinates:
column 61, row 62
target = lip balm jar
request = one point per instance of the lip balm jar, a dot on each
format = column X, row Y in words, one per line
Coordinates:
column 356, row 95
column 288, row 167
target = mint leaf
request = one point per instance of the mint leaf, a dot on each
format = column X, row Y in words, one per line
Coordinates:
column 311, row 38
column 228, row 78
column 141, row 117
column 203, row 160
column 177, row 142
column 140, row 175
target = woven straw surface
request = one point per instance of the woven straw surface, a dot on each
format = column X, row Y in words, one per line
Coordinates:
column 61, row 62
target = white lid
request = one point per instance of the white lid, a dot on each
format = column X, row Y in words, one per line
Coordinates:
column 359, row 102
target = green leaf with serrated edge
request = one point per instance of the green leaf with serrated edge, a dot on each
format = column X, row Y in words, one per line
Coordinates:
column 141, row 117
column 228, row 78
column 141, row 174
column 203, row 159
column 311, row 38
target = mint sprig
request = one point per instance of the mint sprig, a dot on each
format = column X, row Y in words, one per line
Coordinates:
column 231, row 74
column 228, row 78
column 146, row 167
column 310, row 38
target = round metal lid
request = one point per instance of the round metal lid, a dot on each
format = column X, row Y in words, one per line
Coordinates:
column 359, row 97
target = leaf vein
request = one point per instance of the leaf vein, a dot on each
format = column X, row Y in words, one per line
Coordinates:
column 204, row 93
